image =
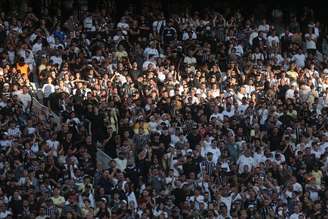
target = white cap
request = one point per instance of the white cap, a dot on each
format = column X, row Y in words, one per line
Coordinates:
column 325, row 71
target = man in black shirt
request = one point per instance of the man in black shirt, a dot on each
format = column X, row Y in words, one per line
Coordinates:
column 169, row 34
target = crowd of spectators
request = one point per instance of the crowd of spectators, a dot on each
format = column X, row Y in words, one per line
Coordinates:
column 205, row 115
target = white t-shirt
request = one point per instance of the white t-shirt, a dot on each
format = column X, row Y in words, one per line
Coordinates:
column 5, row 143
column 229, row 114
column 299, row 60
column 297, row 187
column 31, row 130
column 157, row 25
column 218, row 116
column 11, row 56
column 190, row 60
column 310, row 41
column 177, row 168
column 239, row 50
column 146, row 64
column 5, row 214
column 273, row 40
column 36, row 47
column 259, row 157
column 215, row 151
column 51, row 39
column 48, row 89
column 25, row 99
column 53, row 145
column 161, row 76
column 290, row 94
column 264, row 27
column 317, row 153
column 263, row 115
column 123, row 25
column 15, row 132
column 245, row 161
column 197, row 200
column 252, row 36
column 186, row 36
column 215, row 93
column 294, row 216
column 242, row 108
column 121, row 164
column 151, row 51
column 56, row 60
column 88, row 23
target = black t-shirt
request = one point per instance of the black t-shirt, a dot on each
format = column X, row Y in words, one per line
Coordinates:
column 180, row 196
column 54, row 102
column 166, row 139
column 169, row 34
column 193, row 140
column 110, row 147
column 275, row 142
column 189, row 167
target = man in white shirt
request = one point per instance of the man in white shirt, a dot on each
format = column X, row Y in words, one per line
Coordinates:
column 25, row 98
column 4, row 212
column 56, row 59
column 53, row 143
column 246, row 160
column 151, row 50
column 297, row 213
column 37, row 46
column 14, row 130
column 149, row 64
column 123, row 24
column 243, row 106
column 51, row 40
column 290, row 93
column 273, row 39
column 252, row 36
column 310, row 41
column 229, row 111
column 211, row 146
column 196, row 198
column 121, row 162
column 189, row 34
column 239, row 50
column 189, row 59
column 264, row 27
column 88, row 23
column 216, row 114
column 299, row 58
column 48, row 88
